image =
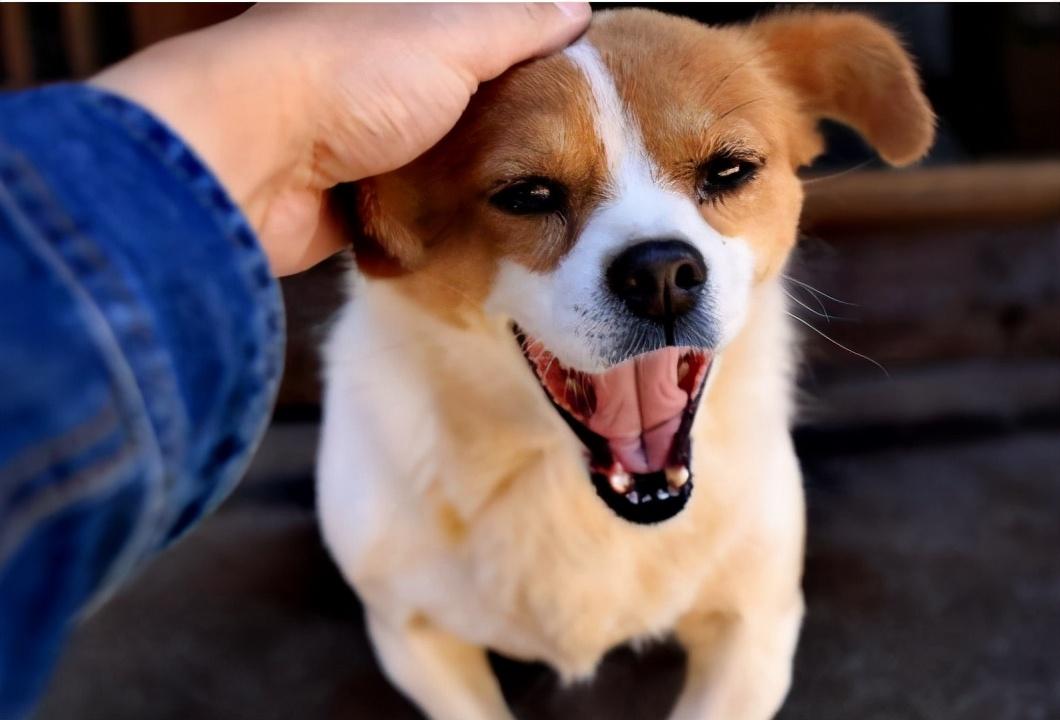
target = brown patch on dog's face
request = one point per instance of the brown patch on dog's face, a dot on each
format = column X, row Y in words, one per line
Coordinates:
column 534, row 122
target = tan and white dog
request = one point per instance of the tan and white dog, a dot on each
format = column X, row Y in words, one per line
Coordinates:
column 558, row 403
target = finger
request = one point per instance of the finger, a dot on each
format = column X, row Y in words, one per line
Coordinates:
column 324, row 232
column 511, row 33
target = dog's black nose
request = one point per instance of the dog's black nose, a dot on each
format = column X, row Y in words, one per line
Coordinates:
column 658, row 280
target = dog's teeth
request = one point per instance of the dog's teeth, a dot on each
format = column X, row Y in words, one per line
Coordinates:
column 661, row 494
column 620, row 481
column 682, row 370
column 572, row 385
column 632, row 497
column 647, row 498
column 676, row 477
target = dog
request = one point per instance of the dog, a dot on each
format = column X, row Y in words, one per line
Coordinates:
column 558, row 402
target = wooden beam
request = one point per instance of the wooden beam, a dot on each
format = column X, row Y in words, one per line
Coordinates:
column 992, row 193
column 15, row 46
column 79, row 33
column 152, row 22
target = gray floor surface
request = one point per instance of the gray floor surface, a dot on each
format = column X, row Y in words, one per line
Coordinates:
column 932, row 578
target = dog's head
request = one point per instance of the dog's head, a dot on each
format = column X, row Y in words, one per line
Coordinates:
column 620, row 201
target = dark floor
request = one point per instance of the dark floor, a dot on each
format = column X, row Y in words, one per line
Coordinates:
column 933, row 584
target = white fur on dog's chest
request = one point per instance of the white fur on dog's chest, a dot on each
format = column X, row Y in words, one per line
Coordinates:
column 549, row 574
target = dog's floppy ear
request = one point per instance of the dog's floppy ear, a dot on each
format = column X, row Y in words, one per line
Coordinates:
column 382, row 245
column 848, row 67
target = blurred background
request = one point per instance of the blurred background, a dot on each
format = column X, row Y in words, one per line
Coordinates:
column 930, row 436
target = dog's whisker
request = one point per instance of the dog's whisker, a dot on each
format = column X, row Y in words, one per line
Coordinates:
column 739, row 106
column 739, row 66
column 816, row 292
column 835, row 175
column 816, row 298
column 823, row 312
column 839, row 344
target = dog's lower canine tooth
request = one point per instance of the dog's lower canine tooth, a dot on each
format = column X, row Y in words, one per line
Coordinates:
column 676, row 477
column 620, row 481
column 682, row 370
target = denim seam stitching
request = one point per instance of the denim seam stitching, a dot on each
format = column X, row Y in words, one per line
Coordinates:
column 123, row 378
column 35, row 459
column 94, row 480
column 211, row 196
column 171, row 151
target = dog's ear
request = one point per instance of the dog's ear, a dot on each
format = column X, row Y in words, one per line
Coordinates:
column 850, row 68
column 382, row 244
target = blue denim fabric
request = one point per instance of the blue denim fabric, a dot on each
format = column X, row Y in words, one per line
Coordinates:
column 140, row 352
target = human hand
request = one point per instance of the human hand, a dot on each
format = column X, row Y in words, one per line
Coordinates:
column 285, row 102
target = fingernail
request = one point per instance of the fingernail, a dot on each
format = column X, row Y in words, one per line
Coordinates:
column 575, row 10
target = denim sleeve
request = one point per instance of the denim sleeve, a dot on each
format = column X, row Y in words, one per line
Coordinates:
column 140, row 351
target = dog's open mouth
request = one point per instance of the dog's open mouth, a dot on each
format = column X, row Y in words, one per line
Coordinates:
column 634, row 421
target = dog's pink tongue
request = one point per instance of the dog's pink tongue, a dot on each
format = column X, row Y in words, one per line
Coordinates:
column 638, row 409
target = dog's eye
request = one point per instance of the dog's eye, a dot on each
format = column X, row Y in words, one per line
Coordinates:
column 724, row 173
column 530, row 196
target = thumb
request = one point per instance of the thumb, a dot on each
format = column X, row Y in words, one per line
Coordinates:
column 511, row 33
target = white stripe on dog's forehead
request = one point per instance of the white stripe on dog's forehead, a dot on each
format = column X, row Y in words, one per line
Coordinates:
column 627, row 158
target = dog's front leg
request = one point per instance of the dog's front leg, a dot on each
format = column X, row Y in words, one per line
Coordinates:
column 739, row 667
column 447, row 678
